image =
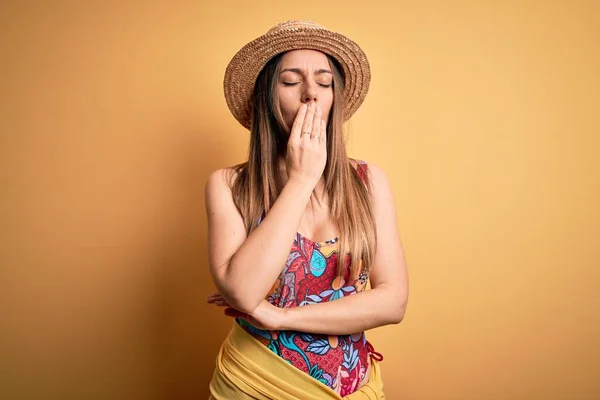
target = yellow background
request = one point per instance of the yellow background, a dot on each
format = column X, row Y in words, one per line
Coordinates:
column 484, row 115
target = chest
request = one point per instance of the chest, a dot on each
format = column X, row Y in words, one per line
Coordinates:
column 316, row 225
column 310, row 275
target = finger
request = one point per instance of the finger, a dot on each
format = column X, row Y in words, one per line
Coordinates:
column 298, row 122
column 308, row 120
column 215, row 298
column 323, row 134
column 316, row 125
column 219, row 302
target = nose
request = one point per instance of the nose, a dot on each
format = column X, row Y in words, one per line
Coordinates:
column 310, row 93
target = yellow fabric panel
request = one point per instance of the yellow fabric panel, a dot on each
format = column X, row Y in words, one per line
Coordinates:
column 247, row 369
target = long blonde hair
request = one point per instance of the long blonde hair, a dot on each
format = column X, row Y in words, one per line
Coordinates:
column 258, row 181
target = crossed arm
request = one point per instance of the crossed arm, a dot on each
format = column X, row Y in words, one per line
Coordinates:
column 384, row 304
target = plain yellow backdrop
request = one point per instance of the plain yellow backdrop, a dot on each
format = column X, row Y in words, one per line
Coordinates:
column 484, row 115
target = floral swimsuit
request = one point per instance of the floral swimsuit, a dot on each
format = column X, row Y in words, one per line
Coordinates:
column 309, row 277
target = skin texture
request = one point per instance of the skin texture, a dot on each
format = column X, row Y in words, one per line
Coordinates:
column 242, row 288
column 304, row 78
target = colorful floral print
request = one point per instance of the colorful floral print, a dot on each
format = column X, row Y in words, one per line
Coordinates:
column 309, row 277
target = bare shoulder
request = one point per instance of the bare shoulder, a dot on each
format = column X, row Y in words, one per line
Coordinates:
column 221, row 177
column 219, row 202
column 378, row 180
column 383, row 196
column 219, row 183
column 378, row 177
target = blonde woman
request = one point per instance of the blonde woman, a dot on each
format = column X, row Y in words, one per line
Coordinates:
column 296, row 232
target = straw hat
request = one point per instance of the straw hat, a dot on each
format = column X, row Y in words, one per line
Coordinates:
column 244, row 67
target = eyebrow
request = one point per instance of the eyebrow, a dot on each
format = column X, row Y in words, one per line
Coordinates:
column 300, row 71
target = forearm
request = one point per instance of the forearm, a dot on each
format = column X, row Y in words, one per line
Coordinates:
column 252, row 270
column 350, row 314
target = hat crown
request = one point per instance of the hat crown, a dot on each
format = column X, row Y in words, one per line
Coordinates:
column 294, row 24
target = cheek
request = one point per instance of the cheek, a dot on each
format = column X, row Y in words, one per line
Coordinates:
column 287, row 108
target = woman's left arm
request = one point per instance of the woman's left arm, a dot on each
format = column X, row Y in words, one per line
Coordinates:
column 386, row 302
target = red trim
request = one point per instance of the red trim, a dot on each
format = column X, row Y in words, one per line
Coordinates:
column 375, row 355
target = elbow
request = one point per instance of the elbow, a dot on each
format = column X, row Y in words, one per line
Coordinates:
column 243, row 303
column 395, row 305
column 235, row 289
column 399, row 303
column 238, row 294
column 397, row 317
column 397, row 313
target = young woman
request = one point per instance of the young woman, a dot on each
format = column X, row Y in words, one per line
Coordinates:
column 297, row 231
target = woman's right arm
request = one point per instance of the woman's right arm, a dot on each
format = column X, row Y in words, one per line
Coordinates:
column 243, row 267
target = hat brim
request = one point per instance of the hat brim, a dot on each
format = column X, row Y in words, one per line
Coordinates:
column 244, row 67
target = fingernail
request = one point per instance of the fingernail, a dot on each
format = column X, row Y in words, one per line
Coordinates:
column 318, row 108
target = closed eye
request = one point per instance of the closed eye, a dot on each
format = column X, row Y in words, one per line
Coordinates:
column 295, row 83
